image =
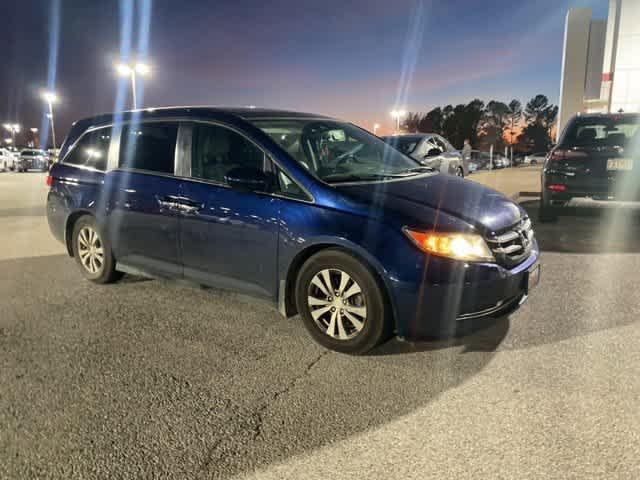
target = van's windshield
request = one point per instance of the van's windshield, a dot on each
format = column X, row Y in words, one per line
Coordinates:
column 338, row 152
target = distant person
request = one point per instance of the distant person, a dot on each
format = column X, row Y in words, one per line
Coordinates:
column 466, row 154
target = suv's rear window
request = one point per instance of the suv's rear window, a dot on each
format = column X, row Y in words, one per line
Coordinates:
column 613, row 131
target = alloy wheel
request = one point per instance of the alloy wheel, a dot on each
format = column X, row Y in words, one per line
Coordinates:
column 90, row 250
column 337, row 304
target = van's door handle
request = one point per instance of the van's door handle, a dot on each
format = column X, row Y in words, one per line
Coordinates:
column 186, row 205
column 191, row 209
column 180, row 204
column 168, row 203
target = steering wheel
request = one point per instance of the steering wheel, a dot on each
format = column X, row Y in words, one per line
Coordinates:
column 349, row 156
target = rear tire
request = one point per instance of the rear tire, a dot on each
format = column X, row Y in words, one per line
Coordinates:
column 460, row 172
column 92, row 252
column 341, row 303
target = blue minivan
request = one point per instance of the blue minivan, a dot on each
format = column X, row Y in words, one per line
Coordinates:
column 312, row 213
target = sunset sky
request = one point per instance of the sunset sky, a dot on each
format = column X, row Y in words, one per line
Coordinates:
column 351, row 59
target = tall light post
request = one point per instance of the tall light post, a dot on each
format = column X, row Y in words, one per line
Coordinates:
column 376, row 126
column 12, row 128
column 51, row 98
column 397, row 115
column 126, row 70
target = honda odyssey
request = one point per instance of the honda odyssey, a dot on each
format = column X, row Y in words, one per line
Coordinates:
column 312, row 213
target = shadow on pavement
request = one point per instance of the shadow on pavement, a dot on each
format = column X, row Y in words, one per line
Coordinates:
column 486, row 336
column 156, row 379
column 587, row 230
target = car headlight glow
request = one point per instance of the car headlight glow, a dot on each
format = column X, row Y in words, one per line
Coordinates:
column 459, row 246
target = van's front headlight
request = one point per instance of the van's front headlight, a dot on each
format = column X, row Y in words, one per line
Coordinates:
column 469, row 247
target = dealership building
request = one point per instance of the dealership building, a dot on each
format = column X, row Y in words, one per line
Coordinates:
column 601, row 61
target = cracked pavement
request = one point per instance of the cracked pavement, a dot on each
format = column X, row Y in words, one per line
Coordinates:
column 155, row 379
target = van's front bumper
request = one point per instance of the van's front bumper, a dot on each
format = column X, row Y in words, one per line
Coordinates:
column 474, row 292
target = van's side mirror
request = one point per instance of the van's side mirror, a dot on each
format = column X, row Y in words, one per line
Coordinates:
column 248, row 178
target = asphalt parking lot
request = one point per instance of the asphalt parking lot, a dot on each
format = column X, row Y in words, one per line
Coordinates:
column 155, row 379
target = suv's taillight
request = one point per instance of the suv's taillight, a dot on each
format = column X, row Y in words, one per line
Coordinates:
column 557, row 187
column 49, row 180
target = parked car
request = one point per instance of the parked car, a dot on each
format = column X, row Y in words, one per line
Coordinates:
column 485, row 161
column 500, row 161
column 535, row 158
column 593, row 159
column 33, row 159
column 518, row 160
column 430, row 150
column 312, row 213
column 6, row 160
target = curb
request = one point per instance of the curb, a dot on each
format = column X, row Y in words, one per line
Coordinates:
column 516, row 197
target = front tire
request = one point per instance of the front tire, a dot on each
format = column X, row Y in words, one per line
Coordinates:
column 460, row 172
column 93, row 253
column 341, row 303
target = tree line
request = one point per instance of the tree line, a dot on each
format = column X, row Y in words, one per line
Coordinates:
column 528, row 129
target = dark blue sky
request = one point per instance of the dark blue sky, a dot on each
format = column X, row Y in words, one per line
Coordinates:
column 352, row 59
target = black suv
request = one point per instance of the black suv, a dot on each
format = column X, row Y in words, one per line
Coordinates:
column 597, row 158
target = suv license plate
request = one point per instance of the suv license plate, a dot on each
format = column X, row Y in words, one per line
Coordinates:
column 619, row 164
column 533, row 277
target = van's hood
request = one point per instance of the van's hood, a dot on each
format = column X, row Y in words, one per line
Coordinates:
column 481, row 207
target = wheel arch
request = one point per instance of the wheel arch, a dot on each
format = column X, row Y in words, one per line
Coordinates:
column 287, row 303
column 68, row 229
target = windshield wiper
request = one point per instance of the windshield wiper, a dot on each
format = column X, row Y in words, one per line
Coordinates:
column 350, row 177
column 421, row 168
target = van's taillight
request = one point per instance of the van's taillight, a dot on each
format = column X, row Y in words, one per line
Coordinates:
column 557, row 187
column 49, row 180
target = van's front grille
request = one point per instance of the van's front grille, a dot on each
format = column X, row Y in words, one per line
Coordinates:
column 513, row 245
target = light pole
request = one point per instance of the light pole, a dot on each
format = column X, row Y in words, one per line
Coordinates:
column 12, row 128
column 397, row 115
column 127, row 70
column 376, row 126
column 51, row 98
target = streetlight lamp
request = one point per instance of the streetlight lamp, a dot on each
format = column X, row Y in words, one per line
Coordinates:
column 126, row 70
column 50, row 98
column 397, row 115
column 376, row 126
column 12, row 128
column 34, row 130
